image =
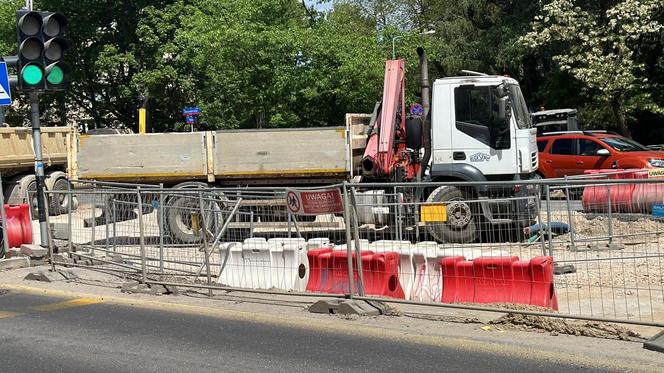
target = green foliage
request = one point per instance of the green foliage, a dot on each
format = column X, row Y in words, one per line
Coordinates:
column 603, row 49
column 246, row 63
column 282, row 63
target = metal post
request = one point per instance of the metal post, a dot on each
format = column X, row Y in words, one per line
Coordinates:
column 541, row 223
column 5, row 241
column 93, row 238
column 141, row 232
column 548, row 219
column 297, row 229
column 349, row 251
column 114, row 218
column 107, row 228
column 610, row 214
column 289, row 225
column 358, row 251
column 70, row 198
column 569, row 214
column 205, row 241
column 251, row 224
column 161, row 228
column 39, row 167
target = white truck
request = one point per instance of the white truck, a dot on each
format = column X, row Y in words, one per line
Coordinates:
column 479, row 130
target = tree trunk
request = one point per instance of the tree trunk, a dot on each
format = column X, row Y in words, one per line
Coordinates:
column 619, row 114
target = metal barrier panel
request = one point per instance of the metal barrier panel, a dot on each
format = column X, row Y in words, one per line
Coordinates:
column 582, row 248
column 232, row 238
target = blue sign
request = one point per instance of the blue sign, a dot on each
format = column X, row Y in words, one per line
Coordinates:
column 190, row 119
column 658, row 210
column 5, row 91
column 416, row 109
column 191, row 111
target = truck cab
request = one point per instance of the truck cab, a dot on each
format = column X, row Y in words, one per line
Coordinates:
column 481, row 130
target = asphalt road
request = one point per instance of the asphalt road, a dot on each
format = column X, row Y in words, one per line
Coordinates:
column 44, row 334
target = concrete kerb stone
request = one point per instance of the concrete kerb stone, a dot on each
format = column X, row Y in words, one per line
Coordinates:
column 656, row 343
column 151, row 289
column 348, row 307
column 50, row 276
column 34, row 251
column 14, row 263
column 13, row 253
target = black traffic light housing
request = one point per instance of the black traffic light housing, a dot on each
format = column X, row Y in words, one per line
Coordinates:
column 41, row 50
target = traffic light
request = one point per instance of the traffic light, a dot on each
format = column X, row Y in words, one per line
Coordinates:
column 56, row 70
column 41, row 50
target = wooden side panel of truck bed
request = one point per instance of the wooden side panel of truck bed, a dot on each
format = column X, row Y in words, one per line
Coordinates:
column 150, row 157
column 282, row 153
column 17, row 153
column 226, row 157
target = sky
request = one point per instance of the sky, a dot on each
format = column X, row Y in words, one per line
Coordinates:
column 324, row 6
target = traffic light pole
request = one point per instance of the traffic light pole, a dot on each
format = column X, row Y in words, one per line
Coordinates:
column 39, row 167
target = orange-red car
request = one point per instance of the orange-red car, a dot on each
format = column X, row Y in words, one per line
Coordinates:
column 572, row 152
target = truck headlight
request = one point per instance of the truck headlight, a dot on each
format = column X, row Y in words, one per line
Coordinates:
column 657, row 163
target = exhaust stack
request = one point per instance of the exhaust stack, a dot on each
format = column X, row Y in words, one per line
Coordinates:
column 426, row 103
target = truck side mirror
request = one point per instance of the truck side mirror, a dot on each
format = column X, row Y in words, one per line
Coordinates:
column 504, row 109
column 603, row 152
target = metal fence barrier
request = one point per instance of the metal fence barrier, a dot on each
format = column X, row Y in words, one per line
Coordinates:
column 587, row 248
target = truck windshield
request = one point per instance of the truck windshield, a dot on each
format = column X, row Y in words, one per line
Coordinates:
column 623, row 144
column 521, row 114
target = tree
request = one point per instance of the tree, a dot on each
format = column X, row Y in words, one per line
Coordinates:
column 603, row 48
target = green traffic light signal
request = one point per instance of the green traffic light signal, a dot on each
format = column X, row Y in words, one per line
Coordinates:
column 56, row 75
column 32, row 75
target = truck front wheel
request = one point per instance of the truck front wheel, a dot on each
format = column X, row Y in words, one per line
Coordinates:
column 461, row 224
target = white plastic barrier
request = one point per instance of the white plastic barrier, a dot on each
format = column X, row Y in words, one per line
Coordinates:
column 406, row 260
column 364, row 245
column 289, row 263
column 232, row 272
column 427, row 278
column 319, row 242
column 249, row 266
column 427, row 275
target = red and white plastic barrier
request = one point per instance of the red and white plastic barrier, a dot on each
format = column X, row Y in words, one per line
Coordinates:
column 18, row 225
column 499, row 279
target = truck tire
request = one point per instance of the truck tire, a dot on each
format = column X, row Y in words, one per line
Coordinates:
column 461, row 224
column 31, row 199
column 58, row 203
column 178, row 215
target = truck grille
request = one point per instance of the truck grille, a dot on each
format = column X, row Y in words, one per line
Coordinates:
column 533, row 159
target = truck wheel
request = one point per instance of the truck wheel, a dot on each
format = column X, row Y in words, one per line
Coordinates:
column 32, row 198
column 58, row 203
column 461, row 225
column 180, row 210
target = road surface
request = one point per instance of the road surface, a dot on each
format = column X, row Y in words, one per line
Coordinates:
column 48, row 334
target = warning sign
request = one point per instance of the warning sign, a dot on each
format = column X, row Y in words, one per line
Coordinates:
column 314, row 202
column 656, row 173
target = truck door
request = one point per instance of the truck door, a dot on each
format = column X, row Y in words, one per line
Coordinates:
column 480, row 137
